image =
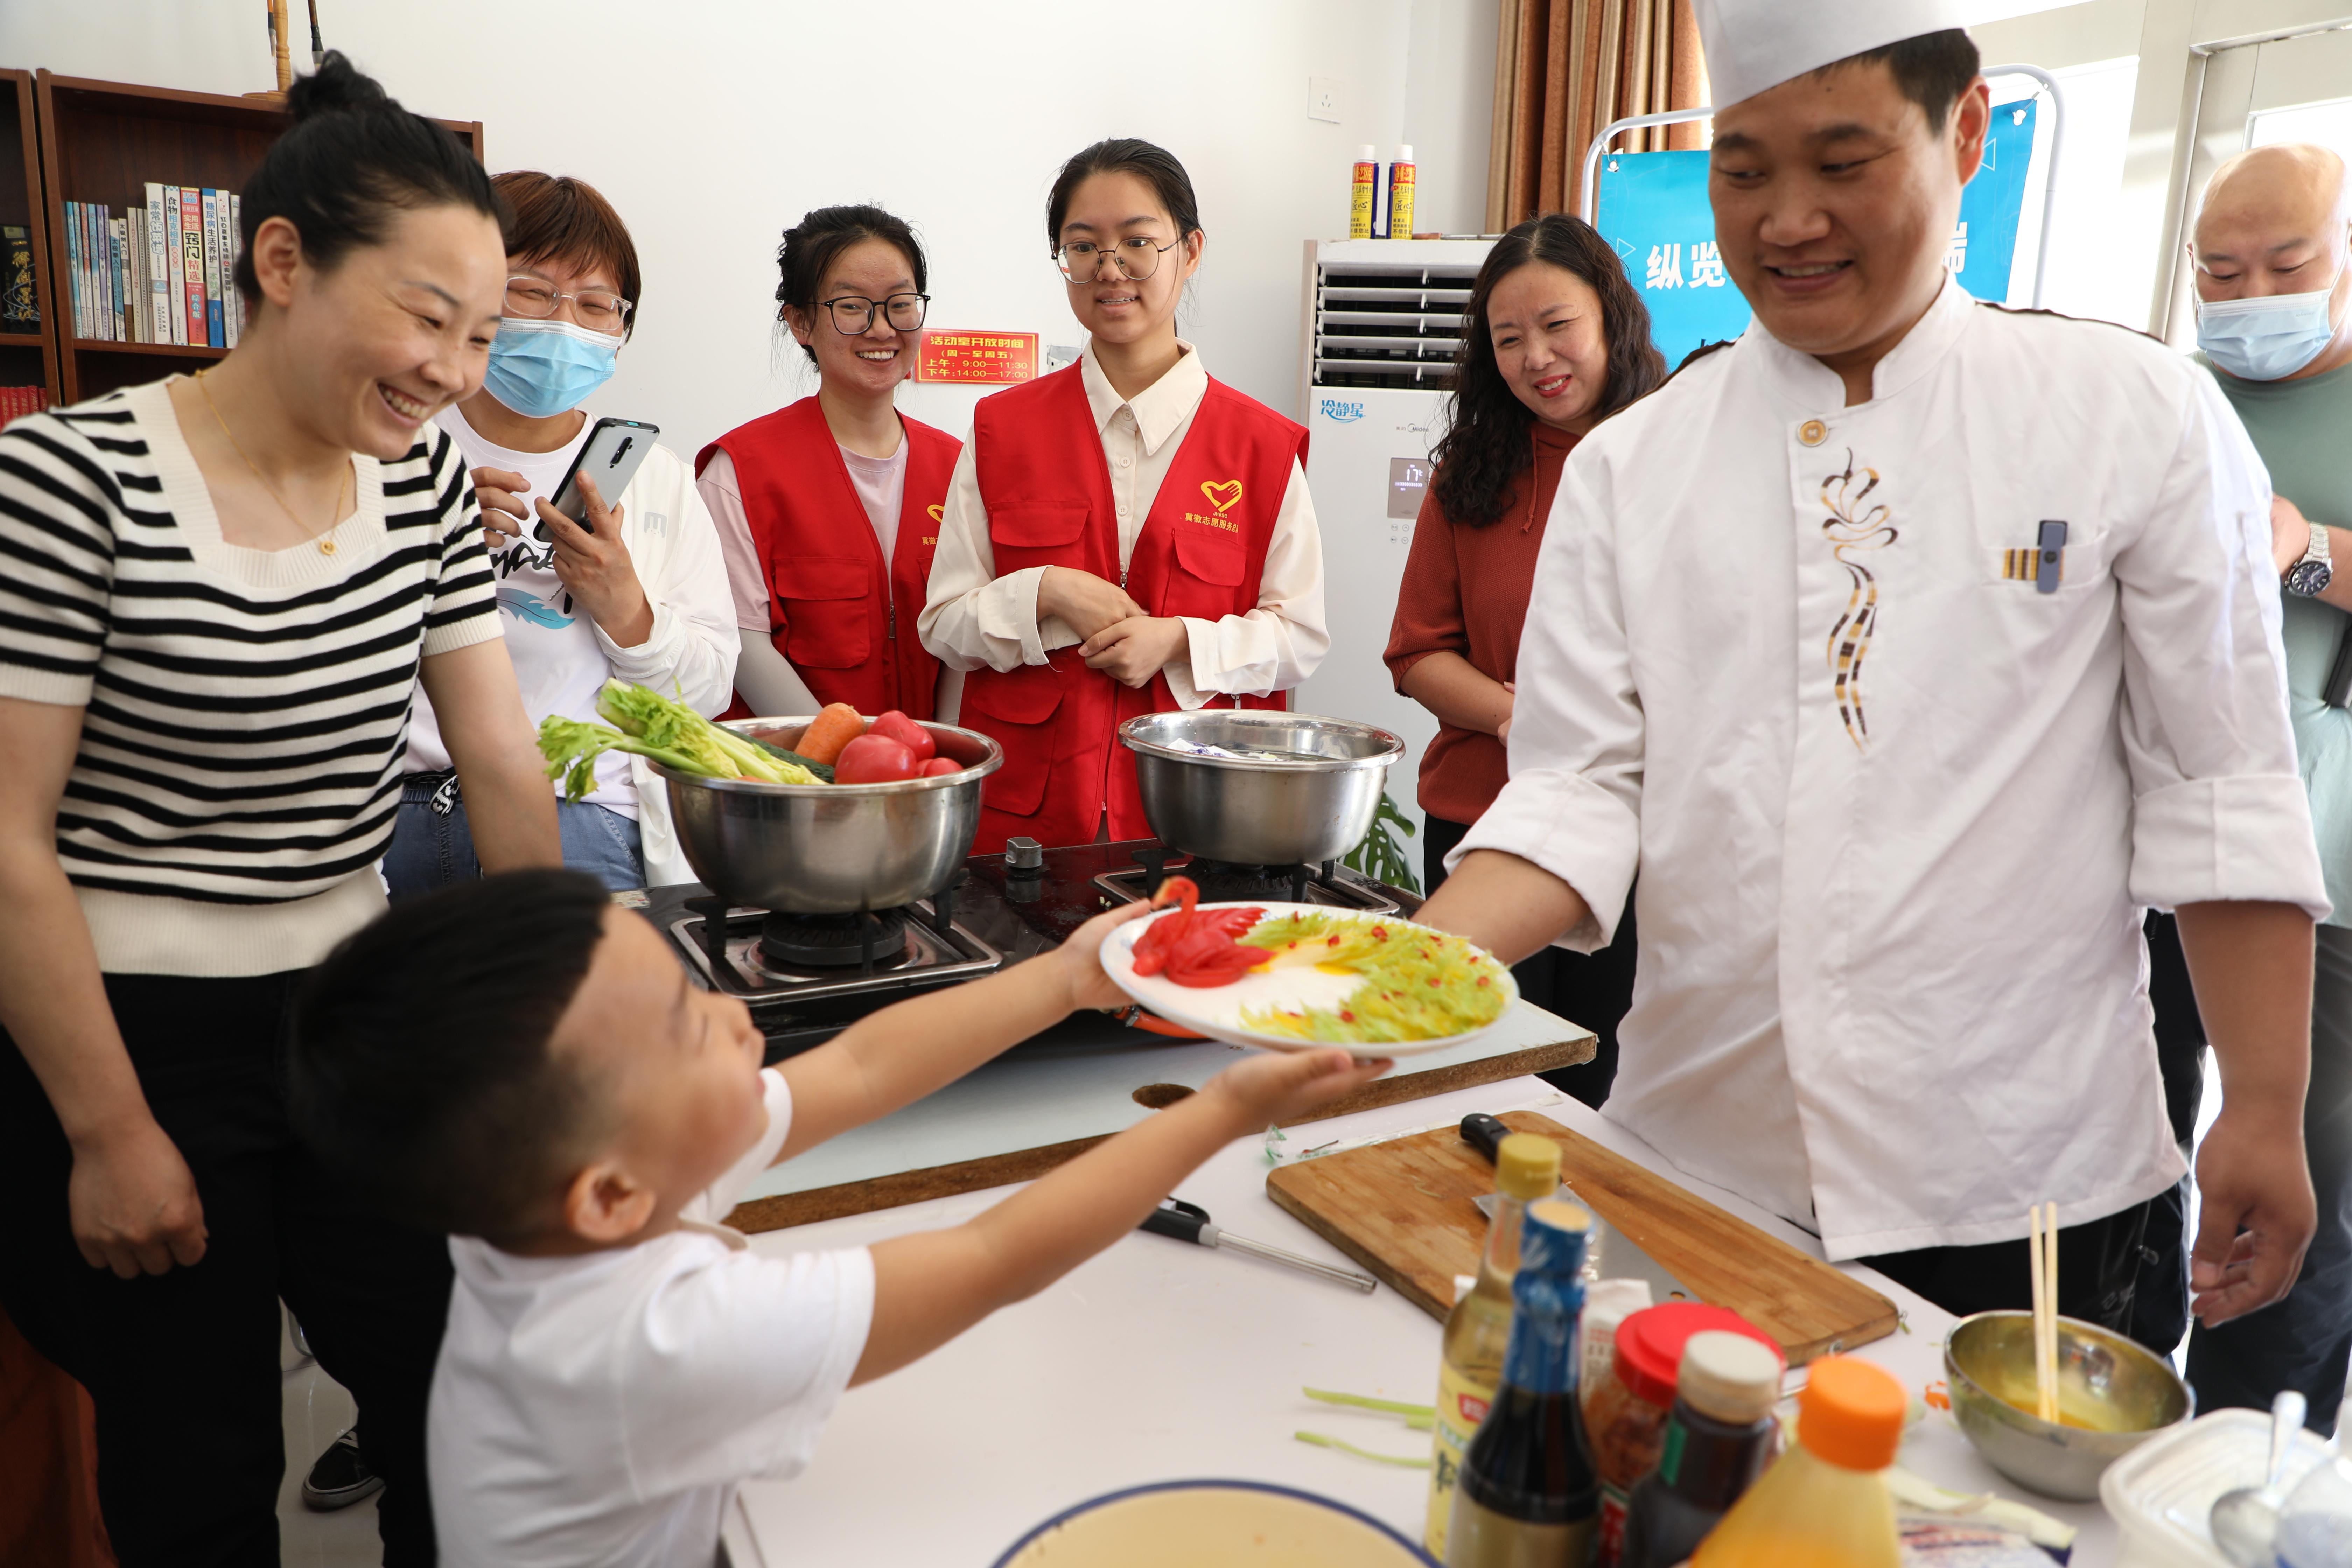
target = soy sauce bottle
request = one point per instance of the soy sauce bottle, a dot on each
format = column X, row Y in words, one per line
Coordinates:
column 1718, row 1441
column 1528, row 1496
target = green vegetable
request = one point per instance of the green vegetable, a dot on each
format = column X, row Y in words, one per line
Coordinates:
column 822, row 770
column 1420, row 1418
column 1401, row 1461
column 653, row 726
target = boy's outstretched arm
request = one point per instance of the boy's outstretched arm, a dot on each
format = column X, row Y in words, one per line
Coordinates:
column 929, row 1288
column 902, row 1053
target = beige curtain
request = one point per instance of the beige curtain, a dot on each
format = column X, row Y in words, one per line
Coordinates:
column 1564, row 69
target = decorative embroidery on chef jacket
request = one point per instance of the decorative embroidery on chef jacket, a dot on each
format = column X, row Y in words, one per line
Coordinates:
column 1849, row 639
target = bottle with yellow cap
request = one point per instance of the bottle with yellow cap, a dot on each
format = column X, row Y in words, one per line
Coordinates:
column 1824, row 1502
column 1478, row 1329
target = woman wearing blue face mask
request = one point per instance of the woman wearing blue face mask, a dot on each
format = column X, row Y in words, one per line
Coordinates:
column 641, row 595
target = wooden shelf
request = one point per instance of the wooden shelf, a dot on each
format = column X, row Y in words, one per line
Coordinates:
column 27, row 359
column 162, row 350
column 101, row 142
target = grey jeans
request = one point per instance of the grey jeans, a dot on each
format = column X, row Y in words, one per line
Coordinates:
column 2304, row 1341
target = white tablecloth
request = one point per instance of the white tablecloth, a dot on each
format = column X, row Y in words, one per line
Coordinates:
column 1159, row 1361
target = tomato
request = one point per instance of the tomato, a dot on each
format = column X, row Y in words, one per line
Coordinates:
column 939, row 767
column 907, row 733
column 1196, row 947
column 873, row 759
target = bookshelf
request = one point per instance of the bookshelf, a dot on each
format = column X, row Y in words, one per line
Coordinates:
column 102, row 141
column 26, row 358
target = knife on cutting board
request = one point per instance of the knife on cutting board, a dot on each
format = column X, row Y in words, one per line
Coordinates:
column 1608, row 1254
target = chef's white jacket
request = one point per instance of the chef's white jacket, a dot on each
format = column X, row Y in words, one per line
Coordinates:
column 1895, row 810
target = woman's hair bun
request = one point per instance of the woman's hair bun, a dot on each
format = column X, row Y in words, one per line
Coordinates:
column 336, row 85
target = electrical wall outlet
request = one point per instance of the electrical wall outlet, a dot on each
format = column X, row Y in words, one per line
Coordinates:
column 1323, row 98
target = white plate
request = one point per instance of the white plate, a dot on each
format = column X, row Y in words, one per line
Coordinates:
column 1215, row 1011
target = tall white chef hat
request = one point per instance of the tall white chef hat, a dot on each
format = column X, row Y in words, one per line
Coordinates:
column 1752, row 45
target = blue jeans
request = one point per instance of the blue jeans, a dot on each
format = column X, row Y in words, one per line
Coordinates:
column 432, row 847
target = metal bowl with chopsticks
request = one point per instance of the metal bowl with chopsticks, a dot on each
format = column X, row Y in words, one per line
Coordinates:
column 1259, row 788
column 830, row 849
column 2122, row 1392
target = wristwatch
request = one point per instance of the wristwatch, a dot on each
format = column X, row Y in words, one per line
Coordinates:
column 2310, row 576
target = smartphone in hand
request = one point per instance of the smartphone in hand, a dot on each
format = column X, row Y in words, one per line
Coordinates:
column 610, row 455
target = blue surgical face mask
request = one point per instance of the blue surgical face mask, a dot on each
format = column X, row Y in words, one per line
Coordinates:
column 2265, row 338
column 540, row 368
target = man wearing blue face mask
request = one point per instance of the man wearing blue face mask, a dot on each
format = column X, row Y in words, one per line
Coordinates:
column 2272, row 254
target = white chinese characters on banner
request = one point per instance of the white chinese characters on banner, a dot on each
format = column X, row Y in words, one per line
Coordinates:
column 1665, row 267
column 1956, row 259
column 1707, row 265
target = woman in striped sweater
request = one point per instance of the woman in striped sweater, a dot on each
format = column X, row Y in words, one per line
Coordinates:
column 215, row 597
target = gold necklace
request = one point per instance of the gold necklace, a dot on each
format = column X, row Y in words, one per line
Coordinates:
column 326, row 546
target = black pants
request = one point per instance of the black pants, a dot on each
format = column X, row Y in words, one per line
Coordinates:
column 183, row 1367
column 2303, row 1343
column 2160, row 1308
column 2099, row 1267
column 1592, row 989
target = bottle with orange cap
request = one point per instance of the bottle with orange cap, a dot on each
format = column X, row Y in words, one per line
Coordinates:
column 1824, row 1502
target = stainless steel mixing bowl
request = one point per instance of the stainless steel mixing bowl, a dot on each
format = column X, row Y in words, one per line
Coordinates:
column 828, row 849
column 1255, row 812
column 2102, row 1377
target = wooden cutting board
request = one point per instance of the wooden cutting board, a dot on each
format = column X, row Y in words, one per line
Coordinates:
column 1403, row 1208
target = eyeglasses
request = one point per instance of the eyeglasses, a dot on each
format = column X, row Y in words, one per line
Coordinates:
column 853, row 314
column 598, row 310
column 1137, row 258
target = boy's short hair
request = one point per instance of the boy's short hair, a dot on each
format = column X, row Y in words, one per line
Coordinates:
column 1932, row 70
column 419, row 1064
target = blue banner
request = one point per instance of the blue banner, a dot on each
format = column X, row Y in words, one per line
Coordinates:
column 1653, row 212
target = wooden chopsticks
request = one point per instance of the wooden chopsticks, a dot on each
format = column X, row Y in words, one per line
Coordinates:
column 2044, row 1242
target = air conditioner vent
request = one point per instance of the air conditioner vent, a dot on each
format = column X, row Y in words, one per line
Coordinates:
column 1389, row 323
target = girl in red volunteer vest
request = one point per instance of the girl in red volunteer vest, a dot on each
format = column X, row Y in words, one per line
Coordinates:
column 1122, row 537
column 828, row 510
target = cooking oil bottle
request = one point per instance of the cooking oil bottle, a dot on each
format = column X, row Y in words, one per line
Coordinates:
column 1478, row 1329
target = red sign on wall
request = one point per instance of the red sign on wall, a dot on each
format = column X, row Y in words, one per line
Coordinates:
column 988, row 359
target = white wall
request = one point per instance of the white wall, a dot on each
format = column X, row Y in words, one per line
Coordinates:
column 712, row 126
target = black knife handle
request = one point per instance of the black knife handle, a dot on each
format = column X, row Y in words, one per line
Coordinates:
column 1484, row 1133
column 1178, row 1219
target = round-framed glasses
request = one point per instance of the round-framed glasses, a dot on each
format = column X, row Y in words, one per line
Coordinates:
column 853, row 314
column 598, row 310
column 1137, row 256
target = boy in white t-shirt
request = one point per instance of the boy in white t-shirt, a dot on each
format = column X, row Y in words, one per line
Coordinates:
column 520, row 1063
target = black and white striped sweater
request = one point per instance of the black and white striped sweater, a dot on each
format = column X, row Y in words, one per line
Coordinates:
column 246, row 710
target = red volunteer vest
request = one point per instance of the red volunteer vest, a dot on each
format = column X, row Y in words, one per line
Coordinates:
column 832, row 601
column 1201, row 553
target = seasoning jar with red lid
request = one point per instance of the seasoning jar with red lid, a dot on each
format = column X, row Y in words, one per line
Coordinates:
column 1625, row 1411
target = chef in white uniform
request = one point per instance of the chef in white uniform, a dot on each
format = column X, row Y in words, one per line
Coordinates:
column 1909, row 646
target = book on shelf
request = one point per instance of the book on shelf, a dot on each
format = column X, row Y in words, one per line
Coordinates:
column 15, row 402
column 162, row 273
column 173, row 306
column 214, row 243
column 192, row 240
column 20, row 305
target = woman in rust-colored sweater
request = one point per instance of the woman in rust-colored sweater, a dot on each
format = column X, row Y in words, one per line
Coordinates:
column 1554, row 340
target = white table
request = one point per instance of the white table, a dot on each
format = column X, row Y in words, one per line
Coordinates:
column 1159, row 1361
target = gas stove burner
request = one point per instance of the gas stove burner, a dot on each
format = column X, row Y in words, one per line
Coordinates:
column 835, row 942
column 1222, row 882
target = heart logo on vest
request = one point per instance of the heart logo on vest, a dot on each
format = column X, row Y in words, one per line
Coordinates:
column 939, row 513
column 1224, row 497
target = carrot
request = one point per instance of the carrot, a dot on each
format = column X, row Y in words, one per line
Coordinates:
column 829, row 731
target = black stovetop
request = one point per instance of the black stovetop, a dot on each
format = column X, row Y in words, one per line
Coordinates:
column 1001, row 915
